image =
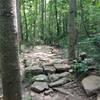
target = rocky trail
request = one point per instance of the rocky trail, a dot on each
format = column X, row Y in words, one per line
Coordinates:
column 46, row 75
column 52, row 78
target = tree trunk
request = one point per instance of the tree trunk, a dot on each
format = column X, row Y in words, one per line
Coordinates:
column 35, row 20
column 25, row 20
column 71, row 30
column 42, row 19
column 9, row 50
column 56, row 16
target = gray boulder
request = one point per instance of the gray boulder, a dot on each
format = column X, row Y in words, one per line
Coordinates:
column 48, row 92
column 39, row 87
column 91, row 84
column 59, row 82
column 55, row 77
column 62, row 67
column 34, row 70
column 40, row 78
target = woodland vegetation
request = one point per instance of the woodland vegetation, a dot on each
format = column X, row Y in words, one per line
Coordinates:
column 72, row 26
column 50, row 22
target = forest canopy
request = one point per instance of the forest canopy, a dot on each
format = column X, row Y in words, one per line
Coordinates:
column 46, row 20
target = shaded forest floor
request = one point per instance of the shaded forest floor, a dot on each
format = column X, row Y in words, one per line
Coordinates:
column 62, row 84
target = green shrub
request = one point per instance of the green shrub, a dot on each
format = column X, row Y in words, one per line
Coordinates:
column 80, row 67
column 28, row 77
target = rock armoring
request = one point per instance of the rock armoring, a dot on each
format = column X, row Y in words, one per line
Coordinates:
column 47, row 68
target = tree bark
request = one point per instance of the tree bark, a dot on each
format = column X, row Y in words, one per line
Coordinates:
column 9, row 50
column 42, row 20
column 71, row 30
column 25, row 20
column 56, row 16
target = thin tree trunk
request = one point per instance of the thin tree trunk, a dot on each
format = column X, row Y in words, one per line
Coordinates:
column 71, row 30
column 9, row 50
column 45, row 11
column 64, row 25
column 25, row 20
column 20, row 35
column 50, row 21
column 56, row 15
column 35, row 20
column 42, row 19
column 45, row 23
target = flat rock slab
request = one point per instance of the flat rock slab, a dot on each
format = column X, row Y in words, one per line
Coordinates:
column 59, row 82
column 91, row 84
column 40, row 78
column 49, row 69
column 62, row 67
column 34, row 70
column 39, row 87
column 60, row 61
column 55, row 77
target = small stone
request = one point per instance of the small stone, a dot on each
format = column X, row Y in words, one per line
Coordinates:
column 40, row 78
column 71, row 70
column 48, row 92
column 62, row 67
column 39, row 87
column 83, row 55
column 59, row 82
column 91, row 84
